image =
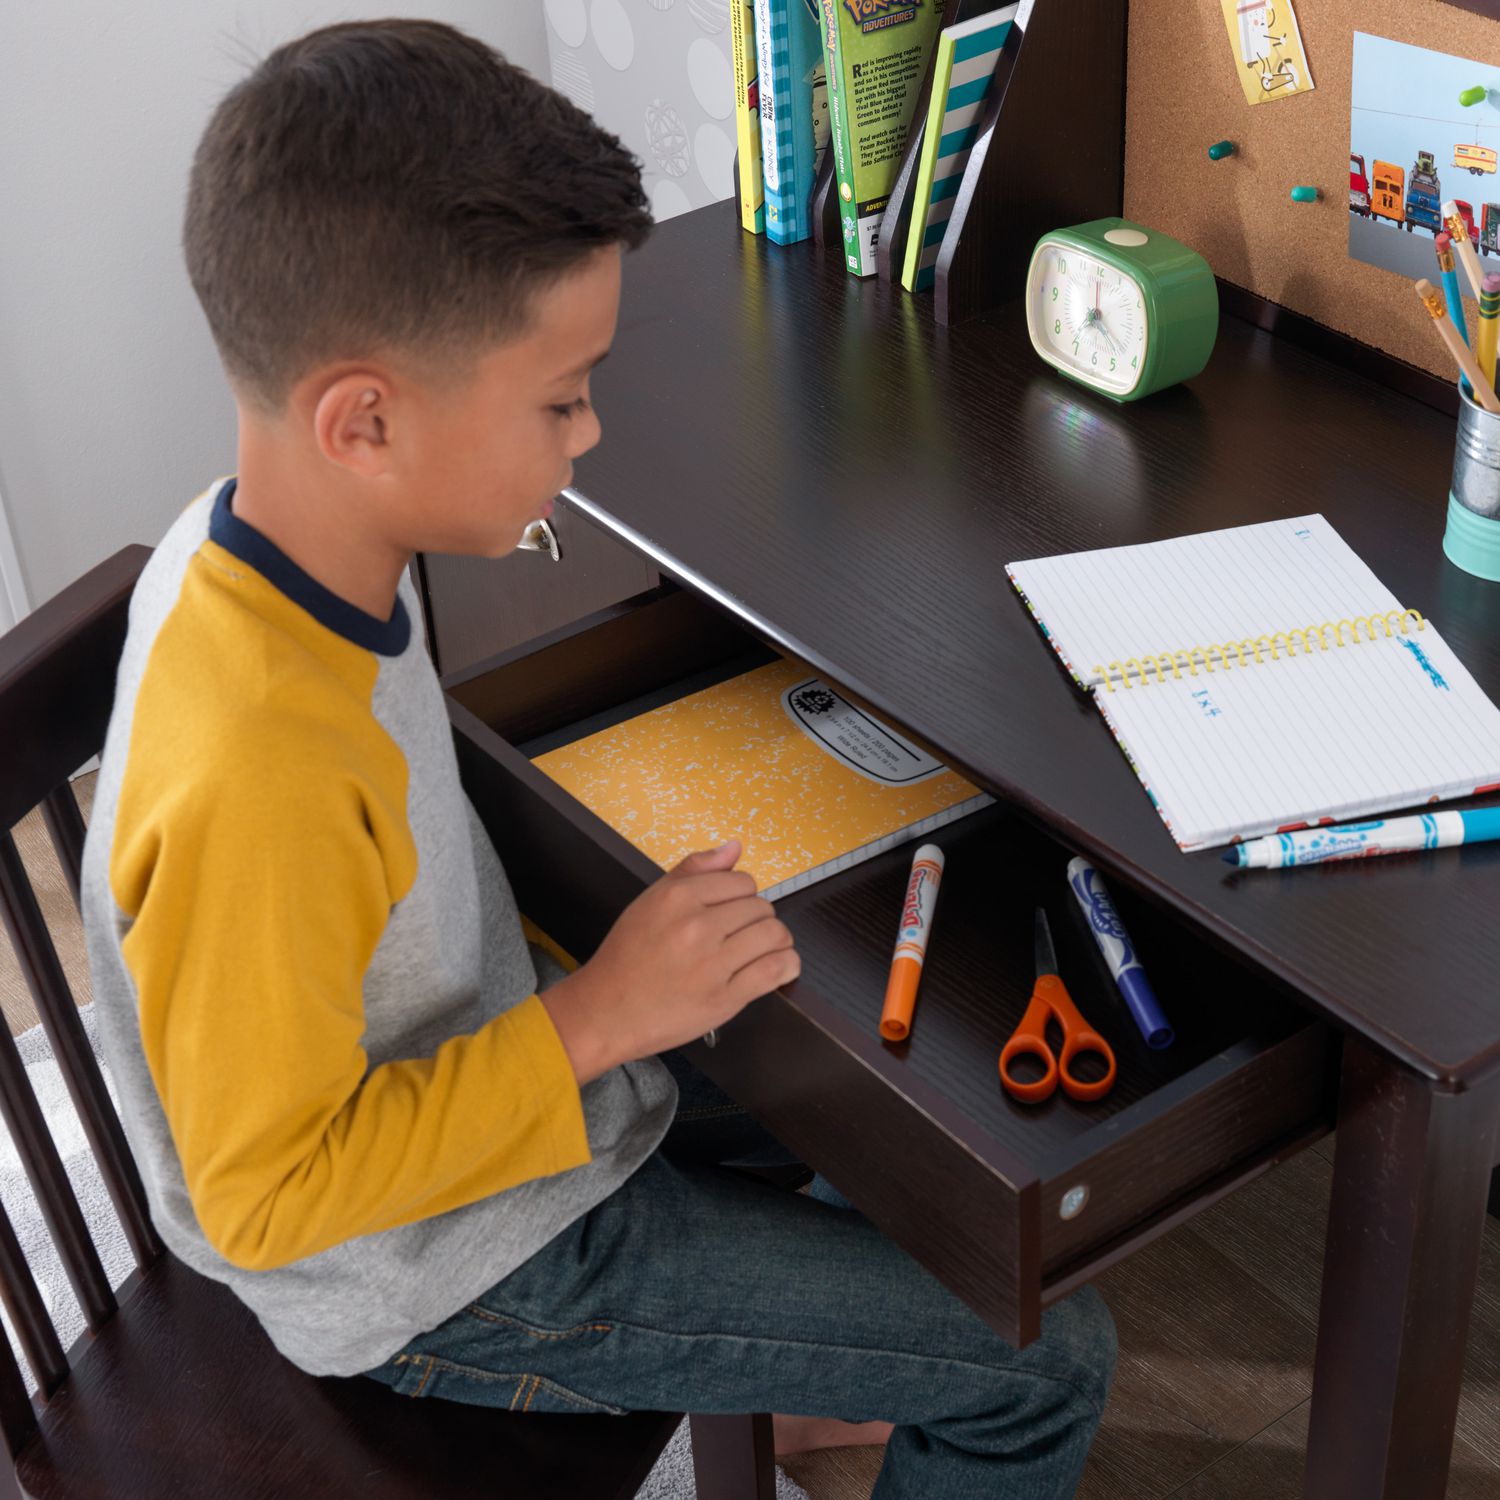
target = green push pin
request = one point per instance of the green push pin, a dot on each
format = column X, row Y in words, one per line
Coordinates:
column 1304, row 195
column 1475, row 95
column 1220, row 149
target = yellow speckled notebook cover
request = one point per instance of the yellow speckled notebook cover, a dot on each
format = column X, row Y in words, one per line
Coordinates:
column 807, row 781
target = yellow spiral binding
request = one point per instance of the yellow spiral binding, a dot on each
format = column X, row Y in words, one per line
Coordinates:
column 1249, row 651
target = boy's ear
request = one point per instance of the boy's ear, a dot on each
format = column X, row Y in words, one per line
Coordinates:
column 351, row 422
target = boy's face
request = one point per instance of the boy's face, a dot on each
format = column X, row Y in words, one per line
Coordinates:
column 488, row 455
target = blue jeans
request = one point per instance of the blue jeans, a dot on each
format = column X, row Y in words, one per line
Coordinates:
column 693, row 1288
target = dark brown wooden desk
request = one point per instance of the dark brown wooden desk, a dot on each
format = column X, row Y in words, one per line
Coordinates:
column 825, row 470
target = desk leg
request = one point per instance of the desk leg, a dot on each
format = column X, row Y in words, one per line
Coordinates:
column 1411, row 1175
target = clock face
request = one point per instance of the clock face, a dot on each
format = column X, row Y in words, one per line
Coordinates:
column 1088, row 317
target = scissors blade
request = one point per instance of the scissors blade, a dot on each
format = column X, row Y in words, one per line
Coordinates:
column 1046, row 954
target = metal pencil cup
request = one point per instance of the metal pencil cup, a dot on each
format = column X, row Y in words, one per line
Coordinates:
column 1472, row 540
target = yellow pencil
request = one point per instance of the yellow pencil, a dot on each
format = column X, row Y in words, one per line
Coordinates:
column 1432, row 299
column 1489, row 326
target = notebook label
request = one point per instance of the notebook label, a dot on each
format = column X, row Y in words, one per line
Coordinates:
column 853, row 738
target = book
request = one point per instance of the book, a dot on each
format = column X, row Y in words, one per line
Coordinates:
column 807, row 781
column 793, row 112
column 1262, row 678
column 877, row 53
column 967, row 55
column 747, row 115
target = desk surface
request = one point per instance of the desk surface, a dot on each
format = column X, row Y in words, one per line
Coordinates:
column 849, row 478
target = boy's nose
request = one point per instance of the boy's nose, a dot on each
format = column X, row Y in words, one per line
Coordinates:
column 585, row 433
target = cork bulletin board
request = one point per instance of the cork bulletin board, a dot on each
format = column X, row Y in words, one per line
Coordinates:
column 1183, row 94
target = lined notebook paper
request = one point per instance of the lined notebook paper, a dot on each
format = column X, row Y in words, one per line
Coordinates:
column 1262, row 678
column 806, row 780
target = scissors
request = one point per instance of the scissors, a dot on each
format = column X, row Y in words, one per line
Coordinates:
column 1050, row 1002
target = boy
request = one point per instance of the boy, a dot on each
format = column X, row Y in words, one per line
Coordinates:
column 354, row 1094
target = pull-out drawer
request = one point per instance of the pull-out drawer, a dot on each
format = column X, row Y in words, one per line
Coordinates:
column 1010, row 1205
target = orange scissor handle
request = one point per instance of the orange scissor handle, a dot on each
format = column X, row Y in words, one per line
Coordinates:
column 1050, row 1001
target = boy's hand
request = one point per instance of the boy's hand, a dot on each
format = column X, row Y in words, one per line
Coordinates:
column 687, row 954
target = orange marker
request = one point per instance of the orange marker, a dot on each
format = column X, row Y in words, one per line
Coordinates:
column 911, row 942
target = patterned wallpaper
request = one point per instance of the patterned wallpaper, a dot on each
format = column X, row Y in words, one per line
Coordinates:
column 659, row 74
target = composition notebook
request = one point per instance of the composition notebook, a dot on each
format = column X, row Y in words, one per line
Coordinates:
column 808, row 782
column 1263, row 678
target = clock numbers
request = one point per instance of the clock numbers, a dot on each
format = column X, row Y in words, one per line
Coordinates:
column 1095, row 323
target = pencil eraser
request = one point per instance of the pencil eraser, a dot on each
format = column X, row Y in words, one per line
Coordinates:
column 1304, row 195
column 1475, row 95
column 1490, row 283
column 1443, row 241
column 1220, row 149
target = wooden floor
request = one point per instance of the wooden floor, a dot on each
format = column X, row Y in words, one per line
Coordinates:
column 1217, row 1324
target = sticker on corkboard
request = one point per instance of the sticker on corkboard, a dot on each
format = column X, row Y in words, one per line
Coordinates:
column 1268, row 50
column 1414, row 144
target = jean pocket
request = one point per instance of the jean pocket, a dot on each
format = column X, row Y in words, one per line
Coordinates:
column 432, row 1375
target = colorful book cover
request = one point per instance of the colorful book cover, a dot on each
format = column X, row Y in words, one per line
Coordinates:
column 877, row 53
column 806, row 780
column 966, row 59
column 747, row 115
column 793, row 111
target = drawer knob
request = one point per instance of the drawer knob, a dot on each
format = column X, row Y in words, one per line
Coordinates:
column 1073, row 1201
column 540, row 537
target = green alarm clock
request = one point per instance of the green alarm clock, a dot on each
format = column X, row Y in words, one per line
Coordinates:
column 1121, row 308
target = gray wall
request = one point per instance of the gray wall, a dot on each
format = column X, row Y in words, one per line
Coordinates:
column 658, row 73
column 113, row 410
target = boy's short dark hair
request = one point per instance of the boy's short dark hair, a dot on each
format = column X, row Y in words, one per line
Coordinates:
column 391, row 184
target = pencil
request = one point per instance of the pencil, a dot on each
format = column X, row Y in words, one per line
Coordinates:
column 1443, row 244
column 1432, row 299
column 1453, row 221
column 1489, row 326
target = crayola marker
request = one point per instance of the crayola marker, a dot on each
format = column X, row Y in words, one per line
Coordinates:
column 1119, row 953
column 911, row 942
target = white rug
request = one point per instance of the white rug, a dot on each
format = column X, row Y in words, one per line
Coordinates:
column 671, row 1479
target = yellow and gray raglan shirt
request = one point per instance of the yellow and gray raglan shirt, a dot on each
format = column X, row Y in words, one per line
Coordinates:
column 347, row 1102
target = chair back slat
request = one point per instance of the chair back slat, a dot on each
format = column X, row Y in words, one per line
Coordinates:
column 38, row 1152
column 57, row 681
column 17, row 1415
column 35, row 1332
column 65, row 828
column 75, row 1057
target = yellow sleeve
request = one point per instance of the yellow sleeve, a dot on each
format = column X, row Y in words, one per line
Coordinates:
column 257, row 905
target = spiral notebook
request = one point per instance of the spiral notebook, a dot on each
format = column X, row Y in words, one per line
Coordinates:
column 807, row 781
column 1262, row 678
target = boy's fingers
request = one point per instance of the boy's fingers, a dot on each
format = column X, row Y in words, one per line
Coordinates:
column 768, row 972
column 716, row 887
column 704, row 860
column 728, row 918
column 752, row 943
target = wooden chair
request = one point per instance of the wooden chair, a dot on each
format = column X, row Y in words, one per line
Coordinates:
column 175, row 1390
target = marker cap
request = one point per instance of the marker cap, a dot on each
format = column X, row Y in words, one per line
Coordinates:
column 900, row 999
column 1140, row 1000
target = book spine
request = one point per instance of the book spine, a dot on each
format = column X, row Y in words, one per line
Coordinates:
column 839, row 137
column 922, row 196
column 747, row 115
column 789, row 48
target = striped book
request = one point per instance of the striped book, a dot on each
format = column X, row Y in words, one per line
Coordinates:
column 793, row 112
column 967, row 55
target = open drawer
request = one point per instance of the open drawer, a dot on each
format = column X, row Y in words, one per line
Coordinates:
column 1009, row 1205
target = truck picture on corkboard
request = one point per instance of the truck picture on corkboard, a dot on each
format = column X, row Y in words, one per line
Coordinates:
column 1405, row 118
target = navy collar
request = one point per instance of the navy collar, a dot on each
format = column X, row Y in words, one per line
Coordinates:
column 385, row 637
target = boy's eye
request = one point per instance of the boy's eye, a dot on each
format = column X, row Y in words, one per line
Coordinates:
column 573, row 408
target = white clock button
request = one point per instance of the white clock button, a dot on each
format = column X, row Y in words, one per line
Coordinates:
column 1131, row 237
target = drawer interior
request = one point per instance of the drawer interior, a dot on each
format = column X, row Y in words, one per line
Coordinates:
column 954, row 1148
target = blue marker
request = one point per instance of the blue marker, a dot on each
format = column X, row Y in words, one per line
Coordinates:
column 1119, row 953
column 1312, row 846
